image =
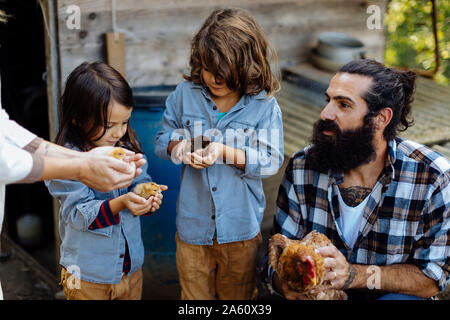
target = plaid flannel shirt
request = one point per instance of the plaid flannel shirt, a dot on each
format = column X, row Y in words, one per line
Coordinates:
column 406, row 220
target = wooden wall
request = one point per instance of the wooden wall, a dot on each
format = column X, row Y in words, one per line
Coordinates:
column 158, row 32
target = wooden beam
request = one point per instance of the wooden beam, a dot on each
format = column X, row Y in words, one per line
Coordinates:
column 53, row 92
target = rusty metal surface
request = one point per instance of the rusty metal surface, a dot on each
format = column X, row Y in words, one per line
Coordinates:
column 302, row 98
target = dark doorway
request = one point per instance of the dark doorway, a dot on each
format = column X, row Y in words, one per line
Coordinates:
column 24, row 97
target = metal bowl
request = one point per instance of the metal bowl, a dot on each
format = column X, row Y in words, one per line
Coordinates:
column 324, row 63
column 339, row 47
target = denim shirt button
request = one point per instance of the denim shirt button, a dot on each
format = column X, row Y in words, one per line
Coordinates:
column 214, row 189
column 122, row 256
column 214, row 108
column 213, row 217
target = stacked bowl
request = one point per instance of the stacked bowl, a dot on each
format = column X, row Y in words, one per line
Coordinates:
column 334, row 49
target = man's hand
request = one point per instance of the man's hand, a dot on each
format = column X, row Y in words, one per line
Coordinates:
column 339, row 274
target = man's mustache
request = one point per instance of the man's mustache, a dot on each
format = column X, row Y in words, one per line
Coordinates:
column 328, row 125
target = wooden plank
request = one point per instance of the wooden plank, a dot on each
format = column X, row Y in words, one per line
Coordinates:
column 158, row 34
column 115, row 51
column 52, row 60
column 105, row 5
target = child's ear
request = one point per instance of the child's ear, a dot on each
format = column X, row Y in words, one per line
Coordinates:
column 74, row 122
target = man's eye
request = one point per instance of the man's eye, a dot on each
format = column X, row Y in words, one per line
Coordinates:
column 344, row 105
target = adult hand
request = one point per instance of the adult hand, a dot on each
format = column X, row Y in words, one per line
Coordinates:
column 106, row 174
column 337, row 269
column 130, row 157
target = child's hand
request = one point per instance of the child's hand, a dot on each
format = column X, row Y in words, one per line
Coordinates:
column 204, row 158
column 181, row 154
column 179, row 151
column 138, row 205
column 157, row 199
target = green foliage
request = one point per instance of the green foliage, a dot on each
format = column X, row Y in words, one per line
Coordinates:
column 409, row 39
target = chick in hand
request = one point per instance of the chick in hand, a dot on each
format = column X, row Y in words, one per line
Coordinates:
column 147, row 189
column 117, row 153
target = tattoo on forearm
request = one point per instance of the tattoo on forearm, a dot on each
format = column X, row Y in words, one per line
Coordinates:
column 353, row 196
column 352, row 272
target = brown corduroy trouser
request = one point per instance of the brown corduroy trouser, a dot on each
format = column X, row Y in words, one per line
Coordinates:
column 129, row 288
column 220, row 271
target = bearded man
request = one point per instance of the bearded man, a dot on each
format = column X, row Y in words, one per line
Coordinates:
column 383, row 201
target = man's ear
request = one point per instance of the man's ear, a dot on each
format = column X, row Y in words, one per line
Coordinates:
column 383, row 118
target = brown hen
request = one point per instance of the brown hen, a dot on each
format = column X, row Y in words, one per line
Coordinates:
column 297, row 264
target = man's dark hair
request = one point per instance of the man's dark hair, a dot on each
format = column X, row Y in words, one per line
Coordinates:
column 390, row 88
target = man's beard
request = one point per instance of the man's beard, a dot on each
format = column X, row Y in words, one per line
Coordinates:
column 343, row 151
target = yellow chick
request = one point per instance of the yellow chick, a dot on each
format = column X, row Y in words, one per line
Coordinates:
column 146, row 190
column 117, row 153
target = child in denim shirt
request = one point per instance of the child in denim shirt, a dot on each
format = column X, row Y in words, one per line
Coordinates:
column 101, row 247
column 225, row 126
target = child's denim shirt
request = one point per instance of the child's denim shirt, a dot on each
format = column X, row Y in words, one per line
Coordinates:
column 222, row 197
column 96, row 255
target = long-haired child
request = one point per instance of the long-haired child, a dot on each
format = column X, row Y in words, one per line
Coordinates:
column 101, row 250
column 228, row 94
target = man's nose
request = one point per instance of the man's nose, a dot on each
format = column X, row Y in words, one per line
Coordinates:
column 328, row 113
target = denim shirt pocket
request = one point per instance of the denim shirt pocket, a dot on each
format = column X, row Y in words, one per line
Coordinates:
column 239, row 134
column 193, row 126
column 107, row 232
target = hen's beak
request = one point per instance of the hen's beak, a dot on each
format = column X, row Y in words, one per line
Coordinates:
column 312, row 279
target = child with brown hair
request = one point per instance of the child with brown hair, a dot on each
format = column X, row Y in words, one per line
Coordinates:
column 102, row 252
column 225, row 126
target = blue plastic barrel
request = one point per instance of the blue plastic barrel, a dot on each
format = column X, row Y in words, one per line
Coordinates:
column 158, row 230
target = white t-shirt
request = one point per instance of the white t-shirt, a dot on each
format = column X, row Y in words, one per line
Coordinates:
column 350, row 220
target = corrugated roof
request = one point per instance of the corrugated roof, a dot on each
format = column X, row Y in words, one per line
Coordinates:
column 302, row 98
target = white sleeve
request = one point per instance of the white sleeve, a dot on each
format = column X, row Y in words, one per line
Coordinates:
column 14, row 132
column 15, row 163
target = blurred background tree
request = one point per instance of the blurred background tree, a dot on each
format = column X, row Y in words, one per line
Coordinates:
column 409, row 38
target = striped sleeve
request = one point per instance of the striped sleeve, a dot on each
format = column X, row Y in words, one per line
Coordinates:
column 105, row 217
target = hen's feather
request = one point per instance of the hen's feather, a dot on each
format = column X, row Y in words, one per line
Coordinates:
column 285, row 255
column 146, row 190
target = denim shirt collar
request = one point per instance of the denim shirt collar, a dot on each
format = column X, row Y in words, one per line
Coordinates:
column 246, row 99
